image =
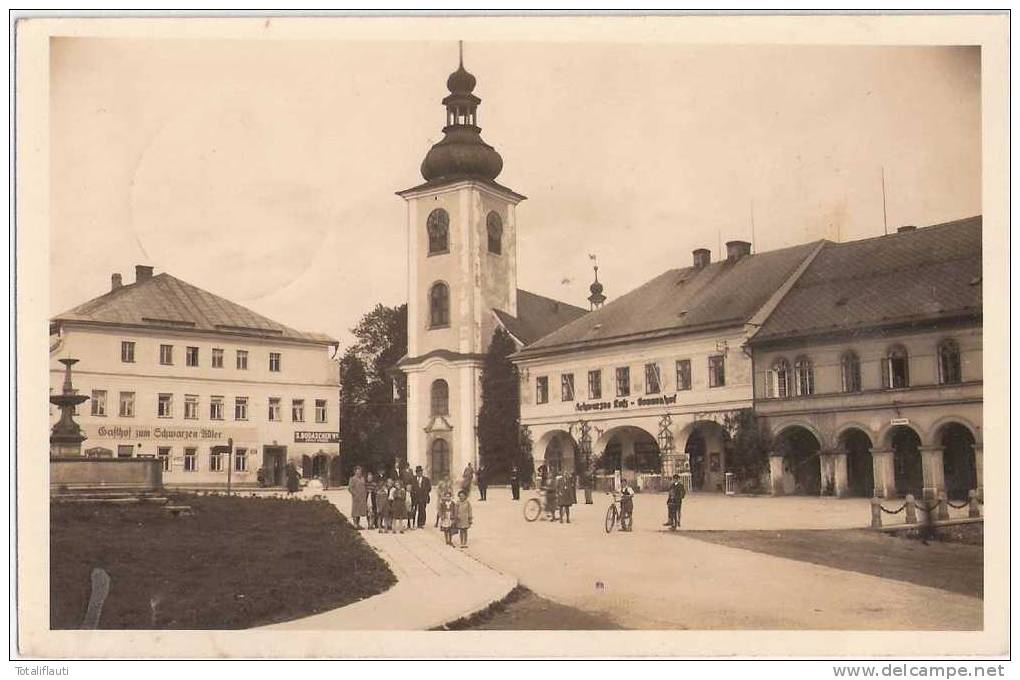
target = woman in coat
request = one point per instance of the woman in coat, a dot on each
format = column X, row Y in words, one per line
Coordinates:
column 359, row 497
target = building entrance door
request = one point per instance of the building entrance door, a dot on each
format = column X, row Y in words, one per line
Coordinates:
column 274, row 459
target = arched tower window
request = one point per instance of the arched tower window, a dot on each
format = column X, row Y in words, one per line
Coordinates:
column 896, row 368
column 804, row 376
column 440, row 398
column 850, row 372
column 439, row 305
column 779, row 379
column 438, row 226
column 949, row 363
column 494, row 225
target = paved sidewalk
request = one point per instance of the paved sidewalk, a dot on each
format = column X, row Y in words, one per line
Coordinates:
column 436, row 584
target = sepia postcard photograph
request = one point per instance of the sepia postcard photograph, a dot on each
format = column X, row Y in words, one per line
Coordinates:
column 511, row 336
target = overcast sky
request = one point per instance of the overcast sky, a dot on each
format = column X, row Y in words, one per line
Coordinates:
column 265, row 171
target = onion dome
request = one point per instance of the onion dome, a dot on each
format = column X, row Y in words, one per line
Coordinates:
column 596, row 299
column 461, row 153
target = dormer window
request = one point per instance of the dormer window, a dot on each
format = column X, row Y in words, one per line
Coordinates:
column 494, row 227
column 438, row 226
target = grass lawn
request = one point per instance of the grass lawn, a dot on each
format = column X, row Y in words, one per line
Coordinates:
column 237, row 563
column 522, row 609
column 956, row 567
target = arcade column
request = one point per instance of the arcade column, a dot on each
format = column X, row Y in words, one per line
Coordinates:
column 833, row 466
column 885, row 474
column 776, row 473
column 979, row 468
column 932, row 471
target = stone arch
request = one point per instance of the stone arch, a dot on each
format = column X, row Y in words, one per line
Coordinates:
column 908, row 468
column 628, row 448
column 959, row 463
column 856, row 443
column 704, row 443
column 935, row 431
column 823, row 442
column 801, row 447
column 557, row 450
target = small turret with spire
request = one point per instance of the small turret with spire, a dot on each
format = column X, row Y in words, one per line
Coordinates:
column 596, row 299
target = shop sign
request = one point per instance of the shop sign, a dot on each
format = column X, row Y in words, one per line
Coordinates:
column 899, row 421
column 169, row 433
column 305, row 437
column 624, row 402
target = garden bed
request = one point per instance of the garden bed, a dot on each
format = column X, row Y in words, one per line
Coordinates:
column 235, row 563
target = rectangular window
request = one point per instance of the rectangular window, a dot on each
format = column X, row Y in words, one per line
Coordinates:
column 163, row 453
column 241, row 408
column 542, row 390
column 191, row 407
column 165, row 407
column 191, row 356
column 297, row 410
column 274, row 408
column 567, row 387
column 653, row 379
column 623, row 381
column 127, row 404
column 190, row 460
column 127, row 352
column 241, row 460
column 274, row 362
column 595, row 384
column 215, row 461
column 683, row 374
column 215, row 408
column 321, row 414
column 99, row 402
column 716, row 371
column 166, row 355
column 242, row 360
column 217, row 357
column 125, row 450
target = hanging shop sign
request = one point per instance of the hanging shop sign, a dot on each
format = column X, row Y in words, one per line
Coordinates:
column 899, row 421
column 305, row 437
column 624, row 402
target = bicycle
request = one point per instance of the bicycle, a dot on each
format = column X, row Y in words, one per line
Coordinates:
column 615, row 514
column 538, row 506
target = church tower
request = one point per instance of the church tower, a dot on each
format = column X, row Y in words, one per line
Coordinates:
column 462, row 265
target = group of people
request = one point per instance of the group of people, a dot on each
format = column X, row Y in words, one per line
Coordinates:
column 398, row 501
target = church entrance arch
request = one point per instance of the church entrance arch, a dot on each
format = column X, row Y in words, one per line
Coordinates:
column 439, row 460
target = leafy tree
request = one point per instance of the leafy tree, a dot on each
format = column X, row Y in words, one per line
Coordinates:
column 500, row 413
column 750, row 442
column 374, row 422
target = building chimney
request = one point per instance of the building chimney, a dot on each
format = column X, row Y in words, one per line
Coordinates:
column 737, row 249
column 702, row 257
column 142, row 273
column 909, row 227
column 115, row 282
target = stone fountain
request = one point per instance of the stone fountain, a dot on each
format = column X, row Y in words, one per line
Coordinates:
column 66, row 436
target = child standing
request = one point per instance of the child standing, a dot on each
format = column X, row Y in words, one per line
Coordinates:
column 398, row 507
column 463, row 516
column 446, row 516
column 382, row 502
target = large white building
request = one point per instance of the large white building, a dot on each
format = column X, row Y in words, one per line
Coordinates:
column 172, row 370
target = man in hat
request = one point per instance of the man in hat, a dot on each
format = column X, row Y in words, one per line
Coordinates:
column 674, row 502
column 421, row 488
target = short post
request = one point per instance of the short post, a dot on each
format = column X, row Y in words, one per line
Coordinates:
column 876, row 513
column 972, row 508
column 943, row 505
column 911, row 506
